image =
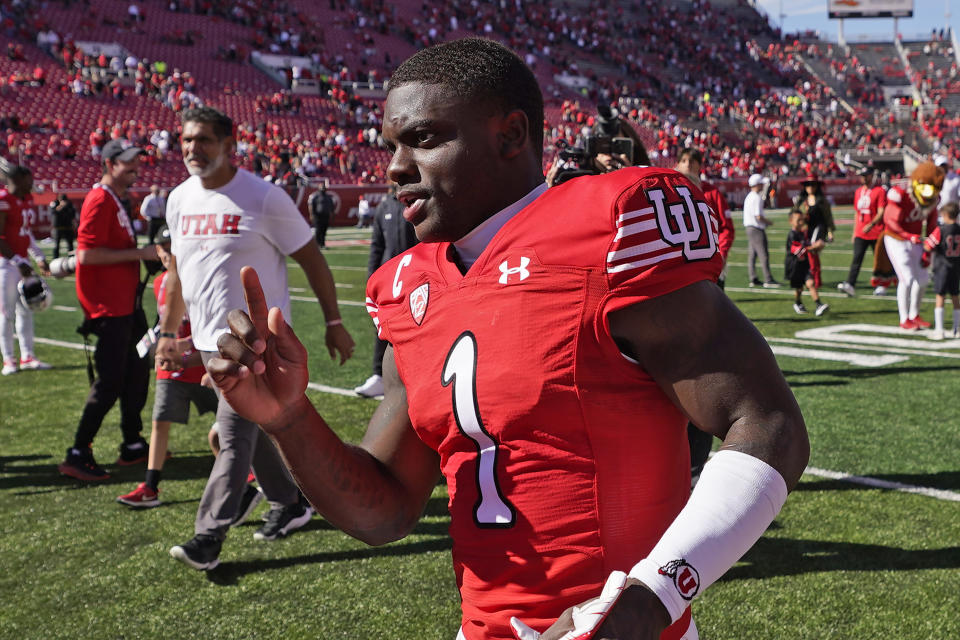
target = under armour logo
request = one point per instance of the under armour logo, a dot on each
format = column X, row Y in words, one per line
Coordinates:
column 506, row 271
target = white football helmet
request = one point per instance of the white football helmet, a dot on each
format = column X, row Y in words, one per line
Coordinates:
column 34, row 293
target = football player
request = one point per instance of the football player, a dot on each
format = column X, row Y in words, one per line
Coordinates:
column 16, row 244
column 903, row 220
column 547, row 347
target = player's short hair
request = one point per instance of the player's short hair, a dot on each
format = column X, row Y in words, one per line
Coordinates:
column 479, row 70
column 950, row 210
column 16, row 172
column 691, row 154
column 221, row 122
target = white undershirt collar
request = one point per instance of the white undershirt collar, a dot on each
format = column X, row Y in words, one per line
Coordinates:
column 472, row 245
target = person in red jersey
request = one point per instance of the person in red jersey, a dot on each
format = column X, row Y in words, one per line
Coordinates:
column 108, row 279
column 869, row 201
column 547, row 348
column 908, row 211
column 689, row 163
column 16, row 245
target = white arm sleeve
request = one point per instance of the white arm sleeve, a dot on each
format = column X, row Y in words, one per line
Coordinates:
column 735, row 500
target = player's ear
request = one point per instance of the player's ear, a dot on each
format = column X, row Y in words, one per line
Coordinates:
column 514, row 134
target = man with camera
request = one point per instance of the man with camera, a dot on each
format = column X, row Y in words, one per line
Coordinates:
column 16, row 243
column 108, row 288
column 612, row 144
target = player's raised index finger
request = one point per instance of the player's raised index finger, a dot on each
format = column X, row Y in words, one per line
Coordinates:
column 256, row 302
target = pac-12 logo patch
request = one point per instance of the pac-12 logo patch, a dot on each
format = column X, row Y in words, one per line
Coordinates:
column 418, row 302
column 685, row 578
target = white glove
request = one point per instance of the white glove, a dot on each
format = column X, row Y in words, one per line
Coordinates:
column 586, row 617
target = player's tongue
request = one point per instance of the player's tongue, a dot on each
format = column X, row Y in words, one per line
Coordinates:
column 412, row 210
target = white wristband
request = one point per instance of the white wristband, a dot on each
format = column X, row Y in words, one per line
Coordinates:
column 20, row 261
column 735, row 500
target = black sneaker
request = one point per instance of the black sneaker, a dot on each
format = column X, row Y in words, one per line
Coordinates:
column 756, row 282
column 251, row 498
column 133, row 453
column 284, row 520
column 202, row 552
column 81, row 465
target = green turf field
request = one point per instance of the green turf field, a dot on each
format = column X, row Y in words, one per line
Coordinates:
column 844, row 560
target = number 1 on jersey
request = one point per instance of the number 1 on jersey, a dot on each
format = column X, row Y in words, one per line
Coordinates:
column 491, row 510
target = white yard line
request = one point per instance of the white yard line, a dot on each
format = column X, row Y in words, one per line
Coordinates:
column 939, row 494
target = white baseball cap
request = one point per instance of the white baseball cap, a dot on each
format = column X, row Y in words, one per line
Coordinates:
column 757, row 179
column 941, row 161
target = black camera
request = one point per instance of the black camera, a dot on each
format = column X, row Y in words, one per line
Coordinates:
column 605, row 139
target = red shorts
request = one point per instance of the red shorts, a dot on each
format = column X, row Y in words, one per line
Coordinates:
column 814, row 274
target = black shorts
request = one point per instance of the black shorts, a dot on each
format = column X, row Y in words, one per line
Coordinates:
column 946, row 281
column 796, row 271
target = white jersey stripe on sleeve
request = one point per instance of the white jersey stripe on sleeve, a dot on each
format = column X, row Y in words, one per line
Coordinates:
column 635, row 228
column 636, row 264
column 637, row 250
column 630, row 215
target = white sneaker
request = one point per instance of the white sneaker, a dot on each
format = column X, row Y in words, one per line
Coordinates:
column 956, row 333
column 880, row 291
column 372, row 388
column 9, row 367
column 936, row 334
column 847, row 288
column 33, row 363
column 821, row 309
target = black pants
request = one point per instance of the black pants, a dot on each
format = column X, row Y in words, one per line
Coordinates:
column 153, row 226
column 121, row 375
column 62, row 234
column 859, row 250
column 320, row 224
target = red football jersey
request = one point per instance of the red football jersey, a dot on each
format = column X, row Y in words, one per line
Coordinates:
column 903, row 218
column 868, row 202
column 16, row 227
column 564, row 460
column 106, row 289
column 189, row 374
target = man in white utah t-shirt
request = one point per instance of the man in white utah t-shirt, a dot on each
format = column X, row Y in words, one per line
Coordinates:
column 221, row 219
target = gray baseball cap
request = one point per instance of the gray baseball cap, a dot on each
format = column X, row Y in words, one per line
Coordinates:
column 120, row 149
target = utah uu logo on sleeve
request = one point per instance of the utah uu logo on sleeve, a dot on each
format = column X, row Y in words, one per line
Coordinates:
column 663, row 231
column 686, row 223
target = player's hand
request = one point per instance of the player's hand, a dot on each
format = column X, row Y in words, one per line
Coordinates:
column 168, row 357
column 44, row 268
column 262, row 368
column 339, row 341
column 915, row 239
column 149, row 252
column 625, row 610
